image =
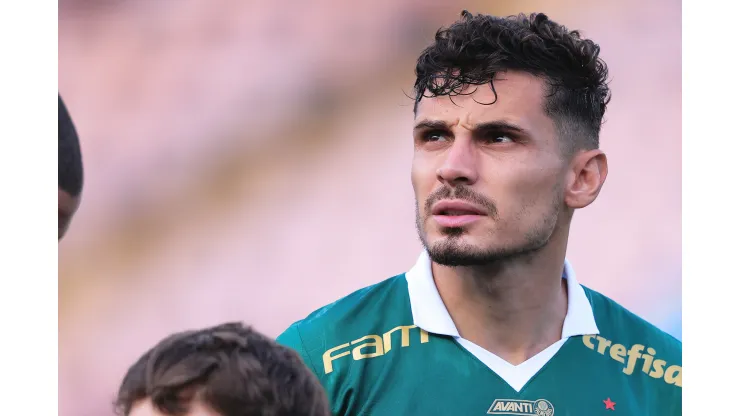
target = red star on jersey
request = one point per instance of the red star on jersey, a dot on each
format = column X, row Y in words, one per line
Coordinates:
column 609, row 404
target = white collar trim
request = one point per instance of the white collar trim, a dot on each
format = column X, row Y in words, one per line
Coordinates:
column 430, row 313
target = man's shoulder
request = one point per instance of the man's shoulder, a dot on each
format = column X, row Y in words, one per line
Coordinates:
column 618, row 324
column 356, row 312
column 356, row 304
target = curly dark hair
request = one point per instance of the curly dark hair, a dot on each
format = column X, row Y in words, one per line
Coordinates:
column 230, row 368
column 475, row 48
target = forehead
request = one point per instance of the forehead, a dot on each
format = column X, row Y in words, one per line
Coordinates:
column 519, row 99
column 146, row 408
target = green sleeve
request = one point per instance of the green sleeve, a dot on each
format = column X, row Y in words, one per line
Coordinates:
column 291, row 338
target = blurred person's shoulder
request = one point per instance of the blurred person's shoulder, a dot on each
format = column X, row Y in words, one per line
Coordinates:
column 371, row 310
column 618, row 325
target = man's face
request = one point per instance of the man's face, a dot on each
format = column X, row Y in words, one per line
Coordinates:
column 488, row 178
column 67, row 207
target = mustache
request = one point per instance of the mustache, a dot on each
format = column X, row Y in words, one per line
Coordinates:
column 462, row 193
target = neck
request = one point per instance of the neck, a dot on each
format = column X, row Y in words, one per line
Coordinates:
column 514, row 308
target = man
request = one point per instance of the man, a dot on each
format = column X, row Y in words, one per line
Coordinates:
column 69, row 169
column 226, row 370
column 491, row 319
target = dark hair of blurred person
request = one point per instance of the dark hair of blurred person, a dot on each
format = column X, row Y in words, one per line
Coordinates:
column 226, row 370
column 69, row 169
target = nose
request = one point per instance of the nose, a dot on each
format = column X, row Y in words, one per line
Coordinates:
column 459, row 166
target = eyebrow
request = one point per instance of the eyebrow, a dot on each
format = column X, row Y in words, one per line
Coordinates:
column 431, row 125
column 489, row 125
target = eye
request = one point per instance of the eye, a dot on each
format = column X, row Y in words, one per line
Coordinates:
column 496, row 138
column 434, row 136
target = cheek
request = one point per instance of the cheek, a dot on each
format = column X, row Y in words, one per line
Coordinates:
column 423, row 179
column 528, row 189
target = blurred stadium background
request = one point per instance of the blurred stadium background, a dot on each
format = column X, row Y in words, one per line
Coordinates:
column 249, row 160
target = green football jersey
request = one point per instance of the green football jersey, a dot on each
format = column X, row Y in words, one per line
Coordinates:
column 392, row 349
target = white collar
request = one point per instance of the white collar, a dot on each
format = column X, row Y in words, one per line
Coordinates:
column 430, row 313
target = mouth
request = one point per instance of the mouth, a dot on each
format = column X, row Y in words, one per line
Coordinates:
column 456, row 214
column 456, row 209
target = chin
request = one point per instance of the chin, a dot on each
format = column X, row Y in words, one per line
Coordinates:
column 468, row 251
column 457, row 256
column 471, row 239
column 456, row 251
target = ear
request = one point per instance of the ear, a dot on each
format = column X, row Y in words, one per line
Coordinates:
column 588, row 170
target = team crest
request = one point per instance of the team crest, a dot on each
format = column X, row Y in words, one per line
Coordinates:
column 539, row 407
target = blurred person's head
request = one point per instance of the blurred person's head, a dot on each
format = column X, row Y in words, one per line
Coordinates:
column 226, row 370
column 506, row 138
column 69, row 169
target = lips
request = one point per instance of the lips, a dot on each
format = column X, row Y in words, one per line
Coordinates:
column 456, row 214
column 456, row 208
